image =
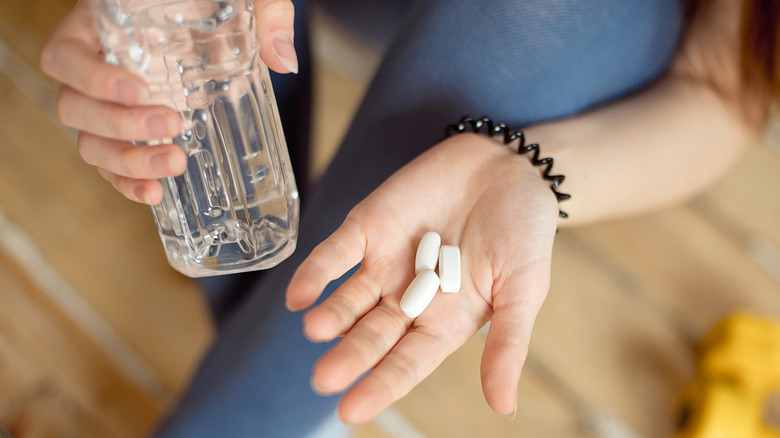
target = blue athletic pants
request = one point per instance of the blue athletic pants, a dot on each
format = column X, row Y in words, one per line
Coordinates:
column 520, row 62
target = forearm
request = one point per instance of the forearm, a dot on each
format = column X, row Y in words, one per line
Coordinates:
column 649, row 150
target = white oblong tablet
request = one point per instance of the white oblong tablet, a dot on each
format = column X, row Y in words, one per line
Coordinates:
column 427, row 252
column 449, row 268
column 420, row 293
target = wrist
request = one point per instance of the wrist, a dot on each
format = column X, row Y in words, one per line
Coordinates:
column 489, row 169
column 515, row 138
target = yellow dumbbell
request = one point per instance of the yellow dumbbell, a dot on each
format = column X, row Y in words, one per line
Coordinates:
column 738, row 368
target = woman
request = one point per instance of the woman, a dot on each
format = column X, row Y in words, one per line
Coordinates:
column 640, row 103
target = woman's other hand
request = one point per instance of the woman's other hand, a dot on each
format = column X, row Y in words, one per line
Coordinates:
column 476, row 194
column 109, row 106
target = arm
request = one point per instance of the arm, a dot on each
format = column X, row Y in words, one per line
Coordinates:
column 648, row 150
column 667, row 142
column 657, row 148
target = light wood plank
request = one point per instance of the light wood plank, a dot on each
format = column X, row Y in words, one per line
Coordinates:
column 684, row 265
column 629, row 301
column 54, row 381
column 369, row 430
column 336, row 93
column 745, row 202
column 26, row 24
column 106, row 247
column 618, row 358
column 450, row 403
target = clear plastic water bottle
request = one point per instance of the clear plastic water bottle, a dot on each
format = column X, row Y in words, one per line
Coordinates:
column 235, row 208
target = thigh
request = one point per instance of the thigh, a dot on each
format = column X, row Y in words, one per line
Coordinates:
column 517, row 61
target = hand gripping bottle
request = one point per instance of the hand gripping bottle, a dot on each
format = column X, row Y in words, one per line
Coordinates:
column 235, row 208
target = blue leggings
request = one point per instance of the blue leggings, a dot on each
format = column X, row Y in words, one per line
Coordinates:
column 521, row 62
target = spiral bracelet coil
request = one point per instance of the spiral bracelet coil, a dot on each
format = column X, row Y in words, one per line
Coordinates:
column 509, row 136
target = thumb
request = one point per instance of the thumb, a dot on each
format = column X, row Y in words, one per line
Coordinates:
column 275, row 34
column 516, row 302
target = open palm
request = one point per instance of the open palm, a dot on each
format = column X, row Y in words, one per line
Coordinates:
column 478, row 195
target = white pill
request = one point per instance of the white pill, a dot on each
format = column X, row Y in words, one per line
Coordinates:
column 420, row 293
column 427, row 252
column 449, row 268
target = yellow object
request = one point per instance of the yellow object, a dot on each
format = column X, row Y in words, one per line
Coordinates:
column 738, row 368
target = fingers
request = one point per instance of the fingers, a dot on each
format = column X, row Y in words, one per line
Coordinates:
column 133, row 170
column 276, row 34
column 353, row 299
column 94, row 98
column 401, row 357
column 125, row 159
column 144, row 191
column 506, row 346
column 116, row 121
column 360, row 350
column 70, row 61
column 412, row 360
column 71, row 56
column 328, row 261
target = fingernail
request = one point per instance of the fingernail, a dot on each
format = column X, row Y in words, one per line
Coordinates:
column 141, row 195
column 284, row 49
column 315, row 388
column 340, row 417
column 291, row 308
column 513, row 415
column 165, row 164
column 160, row 127
column 175, row 165
column 127, row 92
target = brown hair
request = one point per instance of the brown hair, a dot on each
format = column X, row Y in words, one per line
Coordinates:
column 760, row 41
column 759, row 67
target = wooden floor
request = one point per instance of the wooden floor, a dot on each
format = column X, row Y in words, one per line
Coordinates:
column 98, row 335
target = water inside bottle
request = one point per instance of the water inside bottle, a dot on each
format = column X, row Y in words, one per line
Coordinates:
column 235, row 208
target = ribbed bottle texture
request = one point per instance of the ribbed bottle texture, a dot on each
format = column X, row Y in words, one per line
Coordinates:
column 235, row 208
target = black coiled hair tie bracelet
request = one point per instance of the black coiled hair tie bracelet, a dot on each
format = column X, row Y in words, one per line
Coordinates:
column 509, row 135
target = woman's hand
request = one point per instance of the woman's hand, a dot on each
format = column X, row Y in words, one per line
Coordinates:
column 481, row 196
column 107, row 104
